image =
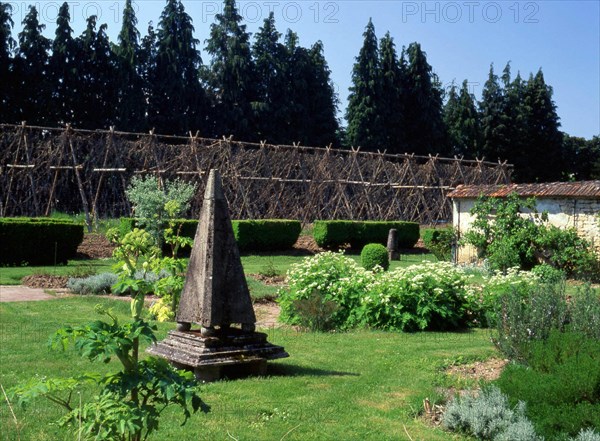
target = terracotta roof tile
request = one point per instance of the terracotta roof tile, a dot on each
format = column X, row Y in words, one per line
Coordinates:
column 581, row 189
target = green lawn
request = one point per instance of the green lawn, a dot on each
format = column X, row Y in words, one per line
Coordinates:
column 253, row 264
column 362, row 385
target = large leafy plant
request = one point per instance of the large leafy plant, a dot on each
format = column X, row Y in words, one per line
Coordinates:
column 129, row 402
column 501, row 234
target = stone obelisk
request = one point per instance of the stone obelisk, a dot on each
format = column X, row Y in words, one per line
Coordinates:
column 215, row 293
column 215, row 296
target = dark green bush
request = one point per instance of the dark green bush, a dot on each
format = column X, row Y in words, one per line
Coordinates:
column 38, row 241
column 266, row 235
column 335, row 234
column 560, row 384
column 374, row 254
column 566, row 251
column 251, row 235
column 439, row 241
column 548, row 274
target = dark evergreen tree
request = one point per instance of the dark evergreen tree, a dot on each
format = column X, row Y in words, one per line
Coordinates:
column 64, row 71
column 176, row 101
column 425, row 131
column 514, row 115
column 494, row 121
column 580, row 158
column 231, row 75
column 540, row 161
column 298, row 71
column 270, row 61
column 365, row 128
column 462, row 122
column 95, row 104
column 593, row 146
column 391, row 101
column 7, row 44
column 131, row 107
column 322, row 106
column 32, row 69
column 147, row 63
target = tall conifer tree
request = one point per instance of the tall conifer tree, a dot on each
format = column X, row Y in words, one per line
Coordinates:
column 7, row 44
column 95, row 105
column 363, row 114
column 462, row 122
column 232, row 76
column 64, row 70
column 32, row 67
column 425, row 131
column 131, row 109
column 270, row 61
column 176, row 97
column 322, row 107
column 494, row 121
column 391, row 102
column 541, row 159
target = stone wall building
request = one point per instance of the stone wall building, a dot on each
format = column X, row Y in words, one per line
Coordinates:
column 568, row 204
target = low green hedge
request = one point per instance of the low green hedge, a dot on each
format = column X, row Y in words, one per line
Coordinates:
column 251, row 235
column 336, row 233
column 38, row 241
column 266, row 235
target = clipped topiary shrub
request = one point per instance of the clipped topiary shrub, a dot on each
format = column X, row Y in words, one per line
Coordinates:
column 374, row 254
column 267, row 234
column 333, row 234
column 38, row 241
column 338, row 233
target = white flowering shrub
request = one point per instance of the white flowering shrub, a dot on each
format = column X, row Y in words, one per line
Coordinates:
column 433, row 296
column 333, row 291
column 337, row 279
column 499, row 284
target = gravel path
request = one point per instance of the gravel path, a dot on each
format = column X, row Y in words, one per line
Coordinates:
column 20, row 293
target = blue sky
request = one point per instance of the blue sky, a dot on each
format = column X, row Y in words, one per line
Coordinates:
column 461, row 38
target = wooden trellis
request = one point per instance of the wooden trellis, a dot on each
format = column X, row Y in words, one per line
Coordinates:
column 44, row 169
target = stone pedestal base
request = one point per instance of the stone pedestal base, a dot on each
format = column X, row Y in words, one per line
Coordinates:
column 232, row 353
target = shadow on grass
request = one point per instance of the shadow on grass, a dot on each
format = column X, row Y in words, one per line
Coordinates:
column 293, row 370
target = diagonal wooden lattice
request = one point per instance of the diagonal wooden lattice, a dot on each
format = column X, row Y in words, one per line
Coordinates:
column 44, row 169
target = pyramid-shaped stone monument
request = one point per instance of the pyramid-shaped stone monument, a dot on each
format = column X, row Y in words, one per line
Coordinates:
column 215, row 296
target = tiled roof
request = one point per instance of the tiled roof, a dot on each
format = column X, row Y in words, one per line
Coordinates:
column 581, row 189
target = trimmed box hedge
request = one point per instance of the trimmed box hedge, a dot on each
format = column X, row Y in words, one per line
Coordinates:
column 251, row 235
column 337, row 233
column 38, row 241
column 266, row 235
